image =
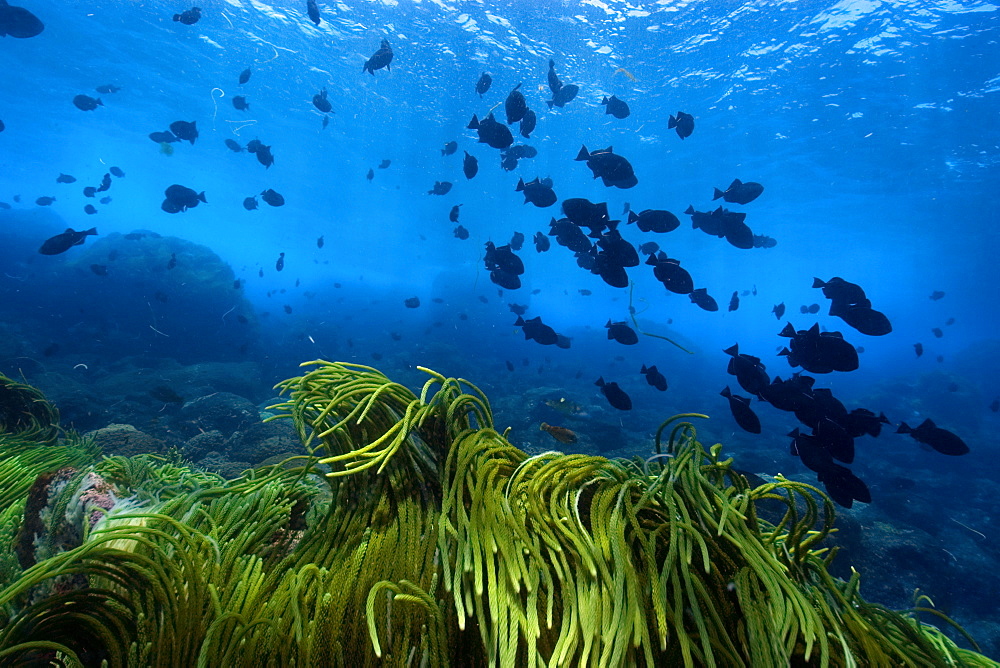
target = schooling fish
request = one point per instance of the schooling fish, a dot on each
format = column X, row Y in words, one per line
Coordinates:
column 185, row 130
column 484, row 83
column 453, row 214
column 312, row 11
column 734, row 301
column 491, row 132
column 534, row 329
column 384, row 164
column 528, row 123
column 379, row 59
column 321, row 102
column 117, row 172
column 669, row 272
column 683, row 123
column 461, row 233
column 615, row 395
column 561, row 434
column 516, row 241
column 742, row 413
column 612, row 169
column 250, row 203
column 189, row 17
column 179, row 198
column 65, row 178
column 542, row 242
column 449, row 148
column 233, row 146
column 615, row 107
column 622, row 333
column 240, row 103
column 654, row 377
column 163, row 137
column 515, row 106
column 280, row 264
column 18, row 22
column 87, row 103
column 940, row 439
column 778, row 310
column 245, row 76
column 273, row 198
column 538, row 192
column 319, row 242
column 749, row 371
column 704, row 300
column 470, row 165
column 561, row 94
column 654, row 220
column 61, row 243
column 440, row 188
column 739, row 192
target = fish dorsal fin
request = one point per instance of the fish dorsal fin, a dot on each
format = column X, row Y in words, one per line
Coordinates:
column 733, row 350
column 814, row 329
column 736, row 183
column 927, row 424
column 788, row 330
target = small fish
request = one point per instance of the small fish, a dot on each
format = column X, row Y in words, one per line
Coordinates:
column 65, row 178
column 703, row 300
column 453, row 214
column 185, row 130
column 542, row 242
column 995, row 405
column 117, row 172
column 449, row 148
column 240, row 103
column 584, row 292
column 312, row 11
column 940, row 439
column 622, row 333
column 321, row 102
column 233, row 146
column 61, row 243
column 683, row 123
column 90, row 209
column 740, row 408
column 539, row 192
column 178, row 198
column 250, row 203
column 280, row 263
column 516, row 241
column 45, row 201
column 515, row 106
column 617, row 108
column 561, row 434
column 381, row 58
column 384, row 164
column 319, row 242
column 950, row 321
column 87, row 103
column 654, row 377
column 288, row 309
column 484, row 83
column 237, row 284
column 163, row 137
column 491, row 132
column 734, row 301
column 779, row 310
column 654, row 220
column 412, row 302
column 918, row 348
column 936, row 295
column 173, row 261
column 245, row 76
column 611, row 168
column 273, row 198
column 937, row 332
column 260, row 273
column 189, row 17
column 264, row 155
column 615, row 395
column 105, row 183
column 370, row 175
column 440, row 188
column 107, row 89
column 510, row 366
column 99, row 269
column 528, row 123
column 470, row 165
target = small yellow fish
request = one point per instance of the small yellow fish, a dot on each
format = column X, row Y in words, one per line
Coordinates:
column 622, row 70
column 561, row 434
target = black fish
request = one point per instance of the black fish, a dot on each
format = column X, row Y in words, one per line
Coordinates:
column 779, row 310
column 440, row 188
column 185, row 130
column 937, row 332
column 99, row 269
column 370, row 175
column 18, row 22
column 321, row 102
column 503, row 258
column 684, row 124
column 108, row 89
column 491, row 132
column 105, row 183
column 379, row 59
column 703, row 299
column 654, row 220
column 172, row 262
column 233, row 146
column 272, row 198
column 453, row 214
column 87, row 103
column 319, row 242
column 538, row 192
column 449, row 148
column 739, row 192
column 515, row 106
column 734, row 301
column 65, row 178
column 819, row 352
column 280, row 264
column 654, row 377
column 612, row 169
column 287, row 308
column 189, row 17
column 117, row 172
column 940, row 439
column 615, row 107
column 245, row 76
column 622, row 333
column 250, row 203
column 742, row 413
column 517, row 309
column 649, row 248
column 90, row 209
column 253, row 145
column 312, row 11
column 615, row 395
column 839, row 290
column 669, row 272
column 861, row 317
column 561, row 94
column 995, row 405
column 384, row 164
column 163, row 137
column 749, row 371
column 528, row 124
column 521, row 151
column 484, row 83
column 936, row 295
column 516, row 241
column 461, row 233
column 412, row 302
column 843, row 486
column 240, row 103
column 179, row 198
column 918, row 348
column 61, row 243
column 264, row 155
column 541, row 242
column 470, row 165
column 535, row 330
column 762, row 241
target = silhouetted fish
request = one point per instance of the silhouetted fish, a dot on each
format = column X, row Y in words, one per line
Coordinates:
column 312, row 11
column 654, row 377
column 612, row 169
column 18, row 22
column 704, row 300
column 742, row 413
column 942, row 440
column 534, row 329
column 240, row 103
column 321, row 102
column 381, row 58
column 484, row 83
column 622, row 333
column 470, row 165
column 538, row 192
column 65, row 178
column 233, row 146
column 778, row 310
column 739, row 192
column 491, row 132
column 61, row 243
column 541, row 242
column 245, row 76
column 185, row 130
column 449, row 148
column 615, row 107
column 250, row 203
column 273, row 198
column 528, row 123
column 683, row 123
column 178, row 198
column 654, row 220
column 189, row 16
column 615, row 395
column 515, row 106
column 440, row 188
column 87, row 103
column 461, row 233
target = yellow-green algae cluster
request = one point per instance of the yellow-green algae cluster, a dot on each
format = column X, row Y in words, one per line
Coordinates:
column 413, row 533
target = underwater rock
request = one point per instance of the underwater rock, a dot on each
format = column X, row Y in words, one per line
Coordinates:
column 222, row 411
column 125, row 440
column 218, row 463
column 263, row 440
column 198, row 446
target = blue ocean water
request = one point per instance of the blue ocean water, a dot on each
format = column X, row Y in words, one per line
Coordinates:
column 873, row 126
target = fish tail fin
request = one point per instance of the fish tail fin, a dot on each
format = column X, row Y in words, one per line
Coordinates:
column 92, row 230
column 201, row 196
column 599, row 382
column 718, row 194
column 632, row 217
column 817, row 283
column 726, row 393
column 672, row 123
column 520, row 185
column 904, row 428
column 690, row 210
column 473, row 124
column 643, row 369
column 733, row 350
column 584, row 154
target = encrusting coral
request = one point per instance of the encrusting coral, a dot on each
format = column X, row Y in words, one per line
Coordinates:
column 411, row 532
